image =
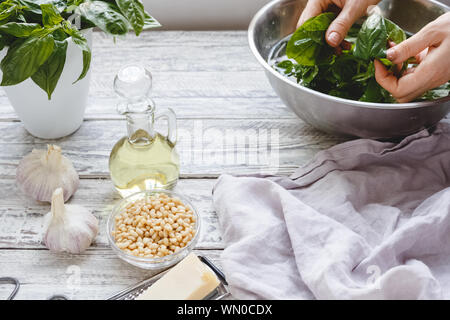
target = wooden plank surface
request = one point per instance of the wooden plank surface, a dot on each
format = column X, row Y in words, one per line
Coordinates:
column 198, row 74
column 207, row 147
column 96, row 274
column 21, row 218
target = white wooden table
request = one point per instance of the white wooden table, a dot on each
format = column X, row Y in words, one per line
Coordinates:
column 216, row 88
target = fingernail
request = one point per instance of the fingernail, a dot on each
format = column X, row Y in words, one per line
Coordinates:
column 334, row 38
column 390, row 54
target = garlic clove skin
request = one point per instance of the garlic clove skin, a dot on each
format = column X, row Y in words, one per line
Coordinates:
column 42, row 171
column 70, row 228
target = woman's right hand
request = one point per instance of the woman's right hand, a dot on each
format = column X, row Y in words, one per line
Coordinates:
column 351, row 10
column 431, row 49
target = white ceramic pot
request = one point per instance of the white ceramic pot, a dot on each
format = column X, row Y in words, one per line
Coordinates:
column 63, row 114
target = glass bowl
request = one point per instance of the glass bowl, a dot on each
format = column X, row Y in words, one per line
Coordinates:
column 151, row 263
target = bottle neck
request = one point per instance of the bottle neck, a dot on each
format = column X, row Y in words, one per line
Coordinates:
column 140, row 121
column 140, row 127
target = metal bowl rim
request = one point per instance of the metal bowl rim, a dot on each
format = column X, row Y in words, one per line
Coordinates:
column 369, row 105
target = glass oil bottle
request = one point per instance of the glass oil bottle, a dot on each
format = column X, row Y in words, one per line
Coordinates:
column 144, row 159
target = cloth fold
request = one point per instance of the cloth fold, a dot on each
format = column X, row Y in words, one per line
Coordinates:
column 363, row 220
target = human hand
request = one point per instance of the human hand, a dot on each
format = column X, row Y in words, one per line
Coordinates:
column 351, row 10
column 431, row 48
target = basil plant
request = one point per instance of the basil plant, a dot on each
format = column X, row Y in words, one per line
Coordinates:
column 36, row 32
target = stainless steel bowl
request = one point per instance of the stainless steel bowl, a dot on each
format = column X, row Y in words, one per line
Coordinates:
column 336, row 115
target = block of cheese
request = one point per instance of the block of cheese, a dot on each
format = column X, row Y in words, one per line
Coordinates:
column 190, row 279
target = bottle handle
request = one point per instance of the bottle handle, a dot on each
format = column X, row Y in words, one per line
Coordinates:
column 171, row 118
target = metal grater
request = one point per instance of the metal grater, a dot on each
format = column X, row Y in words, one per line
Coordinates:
column 131, row 293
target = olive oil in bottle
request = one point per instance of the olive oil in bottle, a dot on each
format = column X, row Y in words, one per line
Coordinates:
column 144, row 159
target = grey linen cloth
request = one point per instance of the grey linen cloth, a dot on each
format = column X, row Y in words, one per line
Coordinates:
column 364, row 220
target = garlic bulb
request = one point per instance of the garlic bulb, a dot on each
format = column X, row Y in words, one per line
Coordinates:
column 71, row 228
column 41, row 172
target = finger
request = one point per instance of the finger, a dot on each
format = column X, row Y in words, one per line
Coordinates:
column 313, row 8
column 398, row 67
column 418, row 58
column 384, row 78
column 339, row 27
column 397, row 86
column 421, row 55
column 409, row 70
column 411, row 47
column 413, row 84
column 431, row 73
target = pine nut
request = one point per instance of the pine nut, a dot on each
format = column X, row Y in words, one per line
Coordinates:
column 158, row 225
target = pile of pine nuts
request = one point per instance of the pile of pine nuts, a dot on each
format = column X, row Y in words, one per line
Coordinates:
column 155, row 226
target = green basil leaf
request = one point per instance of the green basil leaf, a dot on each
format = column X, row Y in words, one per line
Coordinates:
column 436, row 93
column 34, row 6
column 133, row 10
column 3, row 41
column 373, row 92
column 150, row 22
column 352, row 34
column 21, row 18
column 339, row 93
column 304, row 74
column 395, row 33
column 9, row 10
column 75, row 3
column 345, row 67
column 50, row 15
column 86, row 64
column 366, row 72
column 287, row 65
column 372, row 39
column 106, row 16
column 19, row 30
column 307, row 45
column 48, row 74
column 25, row 57
column 82, row 43
column 31, row 6
column 59, row 34
column 386, row 62
column 308, row 74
